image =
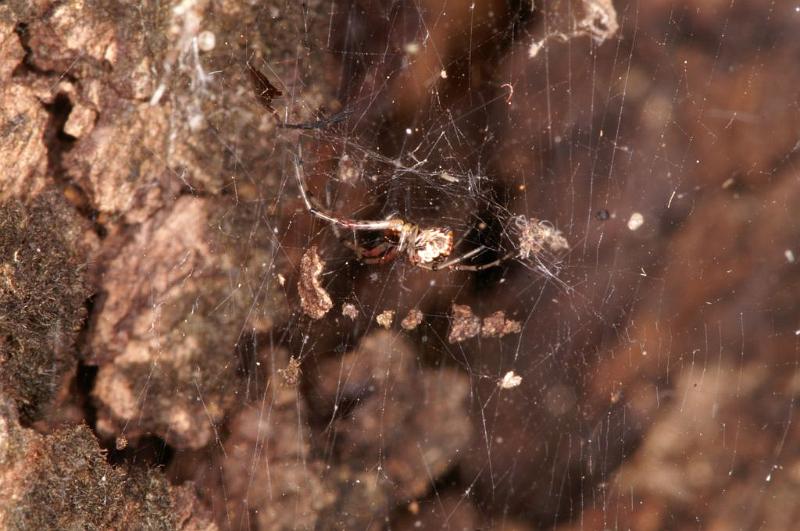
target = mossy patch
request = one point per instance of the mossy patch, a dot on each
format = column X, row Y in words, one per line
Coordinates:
column 42, row 294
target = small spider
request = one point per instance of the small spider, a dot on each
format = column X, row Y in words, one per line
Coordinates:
column 426, row 248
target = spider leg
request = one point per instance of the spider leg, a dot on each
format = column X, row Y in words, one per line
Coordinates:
column 461, row 239
column 453, row 263
column 319, row 212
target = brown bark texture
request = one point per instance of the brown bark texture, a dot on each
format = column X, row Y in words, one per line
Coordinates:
column 184, row 345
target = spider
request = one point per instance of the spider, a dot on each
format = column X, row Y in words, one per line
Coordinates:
column 427, row 248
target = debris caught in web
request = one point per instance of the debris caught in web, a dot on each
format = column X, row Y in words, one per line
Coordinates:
column 496, row 325
column 263, row 89
column 314, row 300
column 290, row 376
column 537, row 235
column 510, row 380
column 599, row 22
column 412, row 320
column 349, row 170
column 385, row 318
column 464, row 324
column 349, row 310
column 636, row 220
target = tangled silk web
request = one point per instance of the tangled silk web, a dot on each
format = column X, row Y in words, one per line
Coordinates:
column 536, row 236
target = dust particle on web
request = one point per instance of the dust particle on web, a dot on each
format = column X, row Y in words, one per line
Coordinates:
column 349, row 310
column 121, row 443
column 412, row 320
column 616, row 396
column 536, row 235
column 290, row 376
column 464, row 324
column 411, row 48
column 599, row 20
column 314, row 300
column 636, row 220
column 534, row 49
column 447, row 177
column 496, row 325
column 206, row 40
column 349, row 170
column 510, row 380
column 385, row 318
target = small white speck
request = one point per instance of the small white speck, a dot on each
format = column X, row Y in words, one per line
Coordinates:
column 797, row 332
column 669, row 203
column 349, row 310
column 197, row 122
column 789, row 256
column 534, row 48
column 206, row 41
column 636, row 220
column 156, row 97
column 443, row 74
column 412, row 48
column 510, row 380
column 769, row 477
column 408, row 131
column 281, row 279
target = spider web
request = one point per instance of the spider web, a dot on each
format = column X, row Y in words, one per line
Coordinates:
column 584, row 412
